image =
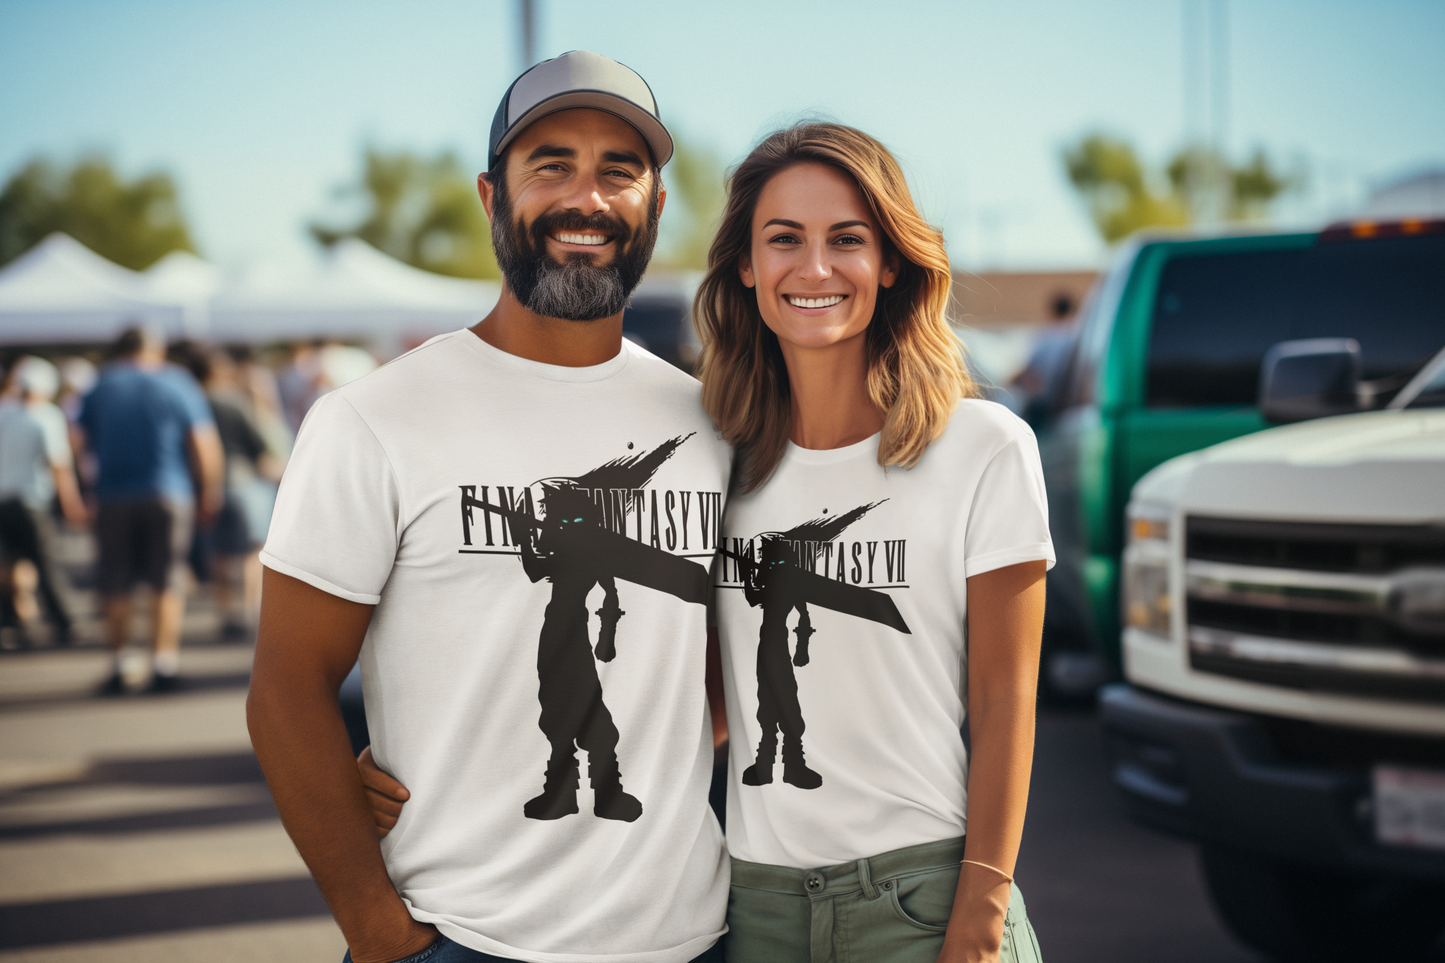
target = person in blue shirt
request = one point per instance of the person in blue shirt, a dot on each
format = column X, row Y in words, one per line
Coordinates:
column 157, row 449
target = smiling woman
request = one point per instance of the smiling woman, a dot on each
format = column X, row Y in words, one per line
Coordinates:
column 827, row 362
column 865, row 243
column 804, row 272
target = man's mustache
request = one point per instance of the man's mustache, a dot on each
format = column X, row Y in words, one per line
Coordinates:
column 601, row 222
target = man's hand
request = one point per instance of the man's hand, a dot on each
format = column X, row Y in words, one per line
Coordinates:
column 385, row 794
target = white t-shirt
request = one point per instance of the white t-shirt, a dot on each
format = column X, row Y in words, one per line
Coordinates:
column 881, row 700
column 382, row 503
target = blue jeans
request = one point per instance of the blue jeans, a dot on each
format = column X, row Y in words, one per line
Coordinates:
column 445, row 951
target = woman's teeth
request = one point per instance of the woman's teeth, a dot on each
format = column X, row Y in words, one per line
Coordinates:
column 827, row 302
column 581, row 238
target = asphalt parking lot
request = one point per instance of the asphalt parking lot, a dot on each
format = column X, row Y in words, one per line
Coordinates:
column 141, row 829
column 1099, row 888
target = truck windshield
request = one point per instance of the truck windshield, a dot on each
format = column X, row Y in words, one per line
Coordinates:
column 1215, row 315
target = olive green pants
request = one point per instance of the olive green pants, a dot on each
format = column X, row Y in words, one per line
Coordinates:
column 890, row 908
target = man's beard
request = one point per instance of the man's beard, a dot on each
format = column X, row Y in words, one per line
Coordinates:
column 576, row 289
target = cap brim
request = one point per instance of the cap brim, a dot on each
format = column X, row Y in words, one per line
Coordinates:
column 651, row 129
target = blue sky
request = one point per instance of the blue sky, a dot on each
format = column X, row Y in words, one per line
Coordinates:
column 260, row 108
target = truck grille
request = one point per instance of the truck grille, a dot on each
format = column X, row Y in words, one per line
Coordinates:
column 1356, row 609
column 1363, row 549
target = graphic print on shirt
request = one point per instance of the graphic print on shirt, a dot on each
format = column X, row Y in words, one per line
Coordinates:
column 579, row 541
column 778, row 572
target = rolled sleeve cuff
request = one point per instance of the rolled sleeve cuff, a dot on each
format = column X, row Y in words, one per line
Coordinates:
column 1008, row 556
column 316, row 581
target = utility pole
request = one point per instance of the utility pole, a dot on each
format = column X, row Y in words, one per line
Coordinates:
column 1193, row 72
column 1219, row 75
column 527, row 33
column 1205, row 64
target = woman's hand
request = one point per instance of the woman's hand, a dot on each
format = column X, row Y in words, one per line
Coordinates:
column 384, row 793
column 975, row 928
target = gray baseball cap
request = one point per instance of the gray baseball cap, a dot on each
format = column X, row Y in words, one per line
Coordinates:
column 579, row 78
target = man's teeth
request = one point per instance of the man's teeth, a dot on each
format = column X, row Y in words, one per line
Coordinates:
column 581, row 238
column 827, row 302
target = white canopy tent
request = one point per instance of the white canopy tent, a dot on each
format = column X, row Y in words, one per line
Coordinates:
column 357, row 293
column 61, row 291
column 181, row 278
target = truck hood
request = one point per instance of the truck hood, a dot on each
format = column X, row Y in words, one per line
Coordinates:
column 1379, row 466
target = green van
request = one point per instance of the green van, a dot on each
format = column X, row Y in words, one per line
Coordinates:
column 1166, row 361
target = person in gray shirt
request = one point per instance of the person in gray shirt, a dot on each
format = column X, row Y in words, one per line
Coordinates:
column 36, row 467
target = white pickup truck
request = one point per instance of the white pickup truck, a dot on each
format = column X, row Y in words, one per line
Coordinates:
column 1284, row 645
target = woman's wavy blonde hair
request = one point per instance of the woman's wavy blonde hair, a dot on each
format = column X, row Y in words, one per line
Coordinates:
column 916, row 373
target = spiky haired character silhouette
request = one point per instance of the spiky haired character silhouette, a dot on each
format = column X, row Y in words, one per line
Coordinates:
column 779, row 580
column 574, row 549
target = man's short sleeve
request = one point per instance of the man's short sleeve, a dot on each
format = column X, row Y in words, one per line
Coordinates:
column 1008, row 522
column 337, row 520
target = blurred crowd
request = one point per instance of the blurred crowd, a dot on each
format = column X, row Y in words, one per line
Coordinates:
column 162, row 459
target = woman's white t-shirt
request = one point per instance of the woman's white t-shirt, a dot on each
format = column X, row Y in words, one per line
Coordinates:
column 879, row 559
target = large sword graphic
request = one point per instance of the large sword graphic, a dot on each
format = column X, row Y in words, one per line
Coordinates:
column 814, row 589
column 625, row 558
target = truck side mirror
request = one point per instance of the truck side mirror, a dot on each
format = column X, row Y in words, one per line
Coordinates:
column 1309, row 378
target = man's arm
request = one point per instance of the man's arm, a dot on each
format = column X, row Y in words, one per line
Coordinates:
column 1005, row 627
column 64, row 456
column 307, row 642
column 67, row 489
column 210, row 465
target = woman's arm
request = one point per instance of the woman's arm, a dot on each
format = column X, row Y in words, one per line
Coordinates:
column 1005, row 626
column 716, row 703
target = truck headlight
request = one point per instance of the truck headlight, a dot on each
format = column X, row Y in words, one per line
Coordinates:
column 1146, row 598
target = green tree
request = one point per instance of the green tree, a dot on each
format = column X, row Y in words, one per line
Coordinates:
column 1107, row 174
column 1198, row 185
column 1257, row 184
column 695, row 195
column 1213, row 189
column 134, row 223
column 421, row 210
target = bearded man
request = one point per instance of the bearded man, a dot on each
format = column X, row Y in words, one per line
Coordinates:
column 405, row 531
